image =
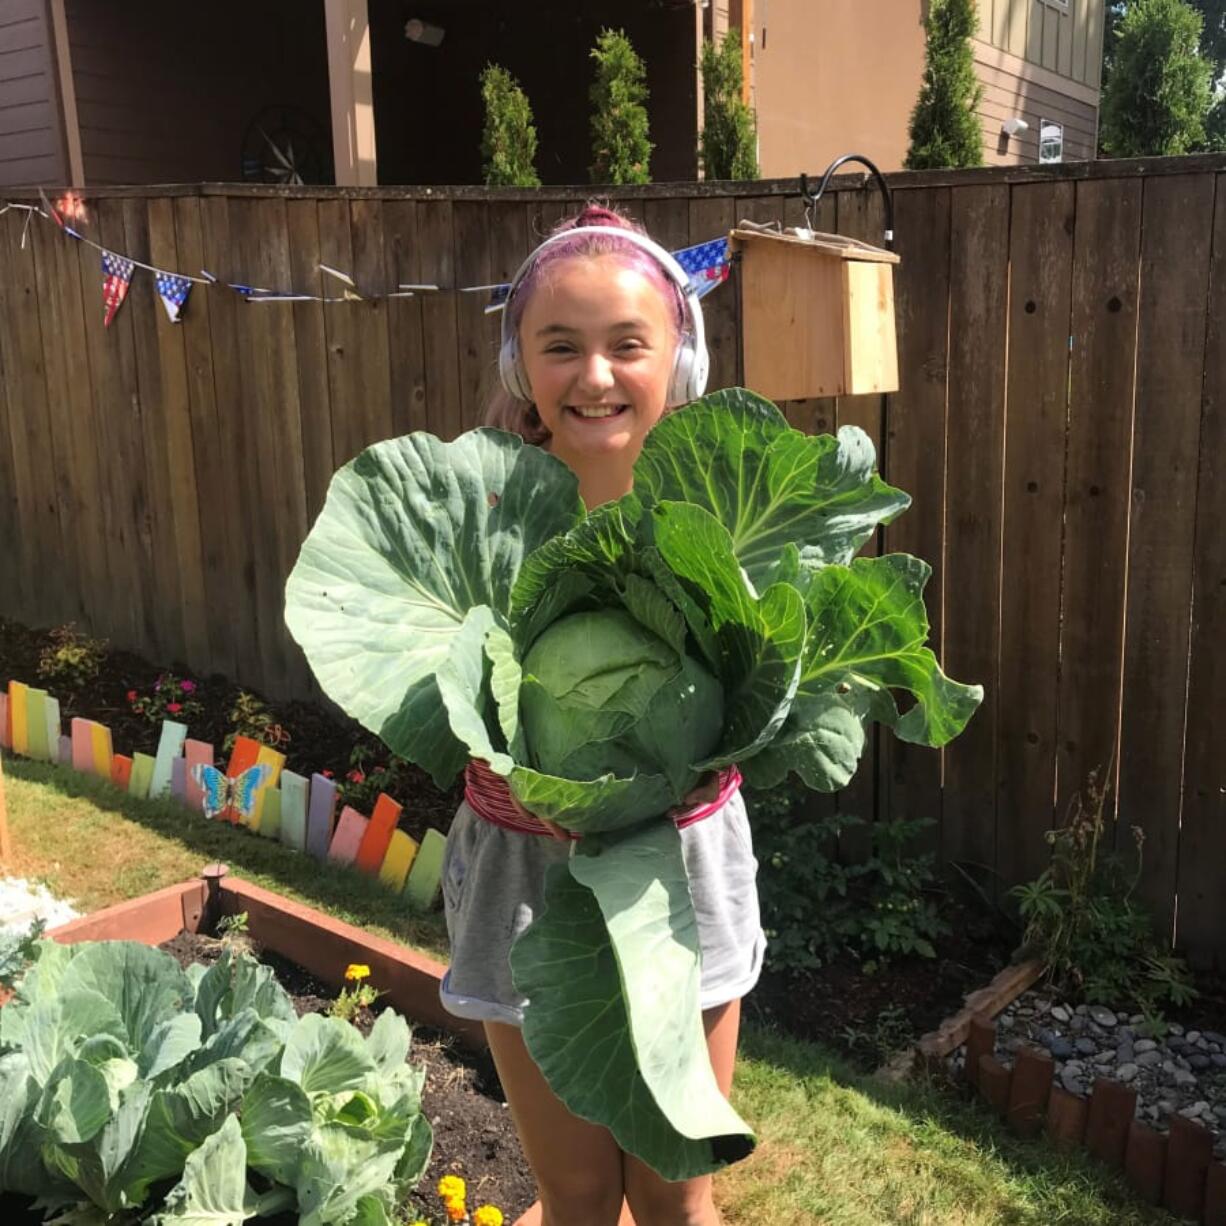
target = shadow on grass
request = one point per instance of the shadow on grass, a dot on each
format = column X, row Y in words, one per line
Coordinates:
column 343, row 892
column 1064, row 1186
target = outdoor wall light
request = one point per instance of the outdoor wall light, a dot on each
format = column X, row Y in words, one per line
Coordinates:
column 418, row 31
column 1014, row 126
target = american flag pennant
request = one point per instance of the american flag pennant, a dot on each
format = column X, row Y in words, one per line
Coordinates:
column 498, row 296
column 116, row 277
column 706, row 264
column 173, row 291
column 54, row 214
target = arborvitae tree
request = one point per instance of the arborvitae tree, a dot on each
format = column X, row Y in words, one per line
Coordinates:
column 729, row 143
column 945, row 130
column 621, row 152
column 1158, row 95
column 508, row 142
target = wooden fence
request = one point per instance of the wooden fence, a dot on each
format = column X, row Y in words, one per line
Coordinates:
column 1060, row 427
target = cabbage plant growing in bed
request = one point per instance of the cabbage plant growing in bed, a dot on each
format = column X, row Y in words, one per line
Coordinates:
column 457, row 600
column 132, row 1090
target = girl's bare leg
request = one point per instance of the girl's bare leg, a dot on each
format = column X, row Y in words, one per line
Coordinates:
column 578, row 1165
column 657, row 1202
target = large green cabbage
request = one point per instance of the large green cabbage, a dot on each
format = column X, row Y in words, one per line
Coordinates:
column 457, row 600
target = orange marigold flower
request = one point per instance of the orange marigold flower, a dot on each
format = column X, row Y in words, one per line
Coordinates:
column 452, row 1187
column 456, row 1211
column 487, row 1215
column 359, row 970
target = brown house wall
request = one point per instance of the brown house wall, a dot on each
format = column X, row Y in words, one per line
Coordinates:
column 166, row 92
column 1005, row 94
column 31, row 132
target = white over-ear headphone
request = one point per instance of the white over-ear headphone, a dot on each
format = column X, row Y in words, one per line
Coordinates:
column 692, row 363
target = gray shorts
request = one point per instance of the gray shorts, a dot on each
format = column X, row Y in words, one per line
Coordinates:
column 494, row 884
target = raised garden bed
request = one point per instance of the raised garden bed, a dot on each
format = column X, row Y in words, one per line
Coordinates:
column 474, row 1134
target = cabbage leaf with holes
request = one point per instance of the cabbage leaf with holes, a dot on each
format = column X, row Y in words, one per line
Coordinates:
column 457, row 600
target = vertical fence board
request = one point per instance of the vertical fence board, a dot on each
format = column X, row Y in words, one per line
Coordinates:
column 311, row 345
column 340, row 328
column 440, row 330
column 210, row 462
column 402, row 265
column 977, row 340
column 371, row 366
column 183, row 507
column 915, row 445
column 228, row 316
column 29, row 426
column 1202, row 835
column 710, row 217
column 478, row 339
column 1041, row 248
column 1177, row 230
column 1104, row 322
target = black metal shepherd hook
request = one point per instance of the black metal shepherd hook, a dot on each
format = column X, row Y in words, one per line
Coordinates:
column 811, row 198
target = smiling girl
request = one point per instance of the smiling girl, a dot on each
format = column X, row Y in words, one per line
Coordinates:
column 601, row 337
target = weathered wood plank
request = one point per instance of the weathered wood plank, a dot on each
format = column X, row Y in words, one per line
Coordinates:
column 402, row 261
column 711, row 218
column 440, row 329
column 477, row 333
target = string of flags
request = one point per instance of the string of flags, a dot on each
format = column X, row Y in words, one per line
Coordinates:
column 707, row 265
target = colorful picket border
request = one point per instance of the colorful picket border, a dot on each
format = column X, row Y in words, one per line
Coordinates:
column 298, row 812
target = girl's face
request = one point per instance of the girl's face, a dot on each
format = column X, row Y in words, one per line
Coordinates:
column 598, row 343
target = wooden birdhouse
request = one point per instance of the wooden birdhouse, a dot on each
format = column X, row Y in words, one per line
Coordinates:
column 817, row 315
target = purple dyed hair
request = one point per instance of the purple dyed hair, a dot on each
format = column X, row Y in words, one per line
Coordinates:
column 504, row 411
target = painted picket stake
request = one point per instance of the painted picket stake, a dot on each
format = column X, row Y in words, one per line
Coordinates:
column 100, row 735
column 293, row 810
column 121, row 771
column 178, row 779
column 6, row 732
column 170, row 746
column 195, row 753
column 36, row 725
column 270, row 819
column 422, row 885
column 51, row 707
column 19, row 729
column 83, row 745
column 275, row 762
column 64, row 757
column 142, row 774
column 348, row 836
column 378, row 834
column 401, row 851
column 319, row 816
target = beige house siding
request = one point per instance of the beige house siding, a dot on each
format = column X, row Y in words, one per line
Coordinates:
column 32, row 147
column 1064, row 38
column 845, row 81
column 1014, row 87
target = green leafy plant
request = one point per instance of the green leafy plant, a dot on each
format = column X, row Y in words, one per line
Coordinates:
column 171, row 698
column 508, row 140
column 18, row 950
column 728, row 145
column 816, row 909
column 1084, row 920
column 72, row 658
column 251, row 718
column 736, row 551
column 945, row 128
column 123, row 1074
column 888, row 1032
column 621, row 150
column 350, row 1002
column 372, row 770
column 1159, row 92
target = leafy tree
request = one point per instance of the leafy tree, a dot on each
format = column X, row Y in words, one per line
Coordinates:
column 1212, row 39
column 945, row 129
column 729, row 143
column 508, row 141
column 621, row 152
column 1158, row 94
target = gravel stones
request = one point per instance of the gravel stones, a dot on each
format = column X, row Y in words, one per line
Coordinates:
column 1126, row 1072
column 1103, row 1016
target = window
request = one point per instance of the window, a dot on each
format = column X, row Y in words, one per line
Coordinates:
column 1051, row 141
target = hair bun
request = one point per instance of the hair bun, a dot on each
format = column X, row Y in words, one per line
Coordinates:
column 597, row 215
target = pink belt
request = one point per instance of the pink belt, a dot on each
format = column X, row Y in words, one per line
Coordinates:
column 488, row 796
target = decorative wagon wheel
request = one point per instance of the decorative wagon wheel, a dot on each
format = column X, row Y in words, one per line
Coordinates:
column 286, row 144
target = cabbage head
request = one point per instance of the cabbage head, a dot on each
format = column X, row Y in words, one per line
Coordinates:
column 602, row 694
column 458, row 600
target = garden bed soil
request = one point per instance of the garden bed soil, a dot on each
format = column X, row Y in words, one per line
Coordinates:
column 474, row 1136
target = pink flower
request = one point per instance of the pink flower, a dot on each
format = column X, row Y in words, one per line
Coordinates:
column 355, row 777
column 327, row 774
column 188, row 687
column 174, row 707
column 131, row 695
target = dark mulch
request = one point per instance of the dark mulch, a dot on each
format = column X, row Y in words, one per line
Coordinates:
column 862, row 1014
column 474, row 1136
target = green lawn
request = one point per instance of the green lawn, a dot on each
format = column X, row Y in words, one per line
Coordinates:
column 835, row 1149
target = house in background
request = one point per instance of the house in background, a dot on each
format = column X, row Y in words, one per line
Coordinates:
column 386, row 91
column 831, row 76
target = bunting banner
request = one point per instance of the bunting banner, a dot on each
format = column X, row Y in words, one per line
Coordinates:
column 116, row 277
column 706, row 264
column 173, row 291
